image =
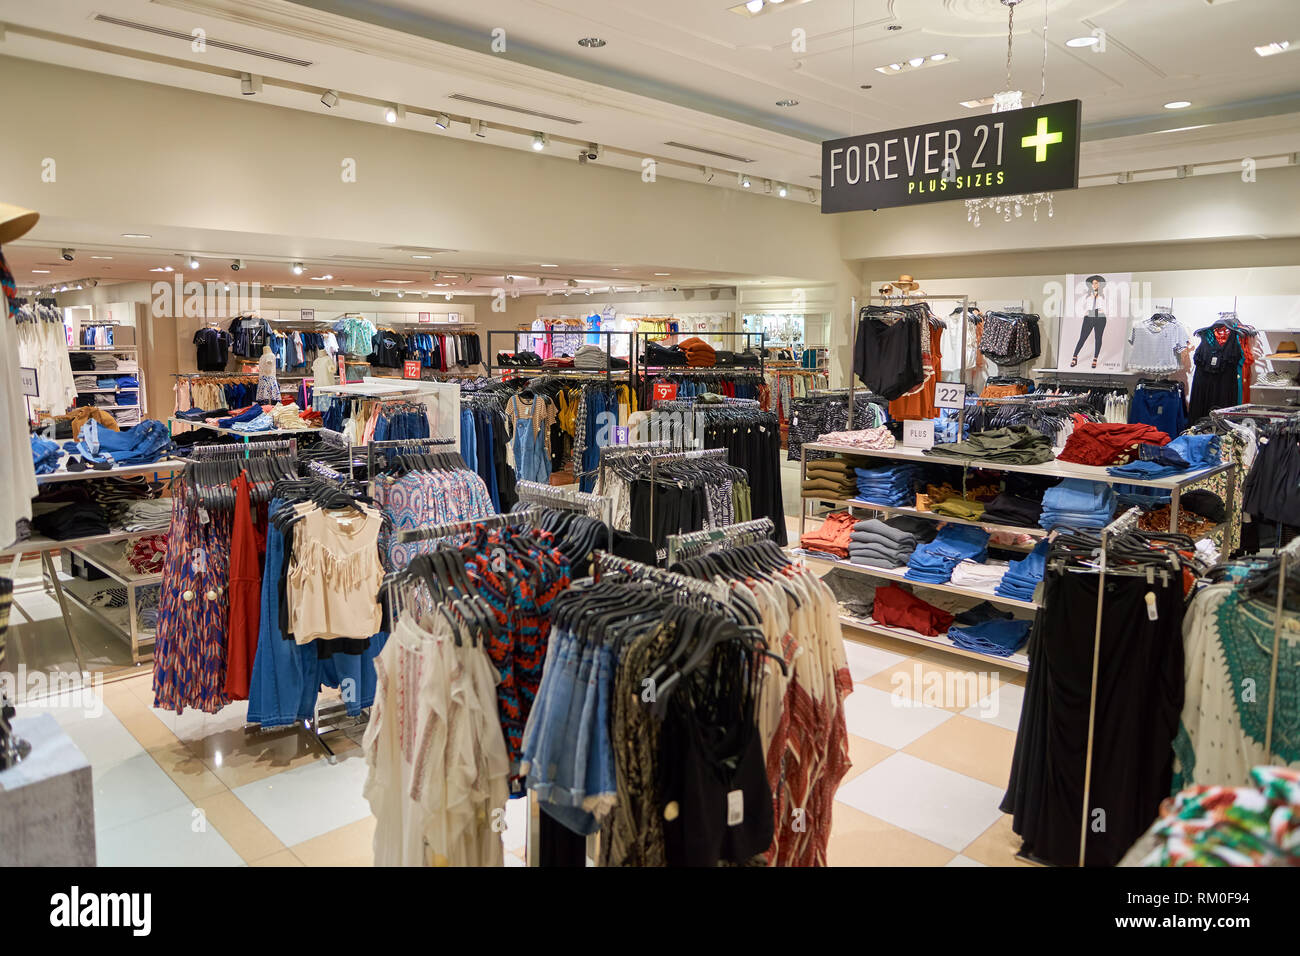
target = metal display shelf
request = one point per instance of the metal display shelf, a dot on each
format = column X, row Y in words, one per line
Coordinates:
column 900, row 575
column 241, row 434
column 1017, row 662
column 109, row 559
column 989, row 526
column 166, row 465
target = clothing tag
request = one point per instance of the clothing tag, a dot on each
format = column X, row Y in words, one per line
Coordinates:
column 1214, row 361
column 1152, row 614
column 199, row 559
column 735, row 807
column 204, row 517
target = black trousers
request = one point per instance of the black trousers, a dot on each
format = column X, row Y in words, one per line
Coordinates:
column 1139, row 701
column 1093, row 325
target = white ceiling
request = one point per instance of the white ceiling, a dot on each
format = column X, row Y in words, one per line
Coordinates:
column 689, row 71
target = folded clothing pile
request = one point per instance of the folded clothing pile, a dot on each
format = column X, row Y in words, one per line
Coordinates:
column 1017, row 445
column 45, row 455
column 1109, row 443
column 262, row 423
column 892, row 485
column 878, row 438
column 895, row 607
column 853, row 591
column 830, row 478
column 932, row 563
column 78, row 520
column 879, row 544
column 958, row 507
column 980, row 575
column 145, row 515
column 663, row 356
column 143, row 444
column 833, row 537
column 591, row 358
column 1189, row 523
column 984, row 611
column 999, row 638
column 699, row 353
column 288, row 417
column 1011, row 509
column 1077, row 503
column 1183, row 453
column 1022, row 576
column 557, row 361
column 127, row 417
column 147, row 555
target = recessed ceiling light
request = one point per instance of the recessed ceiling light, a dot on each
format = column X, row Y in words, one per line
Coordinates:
column 421, row 257
column 754, row 6
column 549, row 265
column 787, row 103
column 158, row 269
column 135, row 235
column 398, row 281
column 321, row 278
column 1177, row 105
column 916, row 61
column 1272, row 49
column 1082, row 41
column 895, row 67
column 43, row 272
column 591, row 43
column 442, row 285
column 663, row 273
column 101, row 257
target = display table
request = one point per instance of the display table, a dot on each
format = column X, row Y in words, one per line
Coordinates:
column 47, row 802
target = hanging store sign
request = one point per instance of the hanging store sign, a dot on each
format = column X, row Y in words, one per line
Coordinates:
column 28, row 380
column 664, row 391
column 411, row 370
column 918, row 434
column 949, row 395
column 993, row 154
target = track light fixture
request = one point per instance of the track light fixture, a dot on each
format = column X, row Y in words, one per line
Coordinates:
column 594, row 151
column 708, row 174
column 540, row 141
column 250, row 84
column 812, row 195
column 442, row 121
column 401, row 294
column 782, row 191
column 297, row 268
column 767, row 187
column 192, row 262
column 572, row 283
column 394, row 113
column 744, row 182
column 236, row 265
column 68, row 254
column 330, row 98
column 478, row 128
column 448, row 296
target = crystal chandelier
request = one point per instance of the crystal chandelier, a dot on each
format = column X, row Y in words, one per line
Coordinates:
column 1009, row 99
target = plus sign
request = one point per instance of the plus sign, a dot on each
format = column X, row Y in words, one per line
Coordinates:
column 1041, row 140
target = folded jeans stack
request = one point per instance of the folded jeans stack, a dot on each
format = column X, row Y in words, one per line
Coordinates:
column 1109, row 443
column 877, row 544
column 932, row 563
column 999, row 638
column 1186, row 452
column 832, row 537
column 145, row 443
column 1022, row 576
column 45, row 455
column 1077, row 503
column 893, row 485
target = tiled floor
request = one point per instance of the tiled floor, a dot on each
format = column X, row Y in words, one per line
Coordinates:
column 194, row 789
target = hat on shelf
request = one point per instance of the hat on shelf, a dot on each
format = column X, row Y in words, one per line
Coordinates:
column 15, row 222
column 1287, row 349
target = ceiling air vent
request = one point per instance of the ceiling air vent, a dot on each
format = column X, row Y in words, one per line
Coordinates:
column 188, row 38
column 709, row 152
column 513, row 109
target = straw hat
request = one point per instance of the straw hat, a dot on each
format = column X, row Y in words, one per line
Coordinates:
column 15, row 222
column 906, row 283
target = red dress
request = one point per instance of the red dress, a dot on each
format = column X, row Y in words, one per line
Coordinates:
column 245, row 595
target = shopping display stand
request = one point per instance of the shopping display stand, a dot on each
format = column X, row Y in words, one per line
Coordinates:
column 692, row 543
column 608, row 374
column 93, row 550
column 1174, row 484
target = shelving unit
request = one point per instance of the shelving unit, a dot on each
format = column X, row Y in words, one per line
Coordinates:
column 124, row 350
column 1055, row 469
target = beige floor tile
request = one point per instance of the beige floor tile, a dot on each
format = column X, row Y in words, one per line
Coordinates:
column 141, row 687
column 283, row 858
column 859, row 839
column 997, row 846
column 905, row 648
column 238, row 758
column 247, row 835
column 187, row 771
column 352, row 845
column 864, row 754
column 942, row 682
column 143, row 726
column 973, row 747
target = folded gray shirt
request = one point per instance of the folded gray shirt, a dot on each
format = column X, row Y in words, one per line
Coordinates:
column 878, row 528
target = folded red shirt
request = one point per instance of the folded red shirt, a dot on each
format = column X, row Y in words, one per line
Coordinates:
column 1109, row 443
column 895, row 607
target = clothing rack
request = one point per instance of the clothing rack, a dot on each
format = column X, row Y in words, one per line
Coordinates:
column 965, row 309
column 605, row 563
column 456, row 527
column 606, row 340
column 1125, row 522
column 374, row 446
column 550, row 496
column 732, row 535
column 245, row 449
column 1285, row 556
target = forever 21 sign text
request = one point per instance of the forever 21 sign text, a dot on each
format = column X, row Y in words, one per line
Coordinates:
column 993, row 154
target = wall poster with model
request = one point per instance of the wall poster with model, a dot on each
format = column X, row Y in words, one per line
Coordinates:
column 1094, row 322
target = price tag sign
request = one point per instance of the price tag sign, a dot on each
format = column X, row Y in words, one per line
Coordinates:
column 949, row 395
column 343, row 369
column 411, row 370
column 425, row 318
column 27, row 376
column 620, row 435
column 306, row 315
column 918, row 434
column 665, row 391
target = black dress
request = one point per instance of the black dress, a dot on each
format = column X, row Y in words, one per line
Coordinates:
column 1217, row 382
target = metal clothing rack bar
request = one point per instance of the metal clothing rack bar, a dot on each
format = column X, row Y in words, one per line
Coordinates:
column 456, row 527
column 549, row 496
column 605, row 563
column 245, row 449
column 726, row 536
column 644, row 337
column 374, row 446
column 608, row 337
column 1125, row 522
